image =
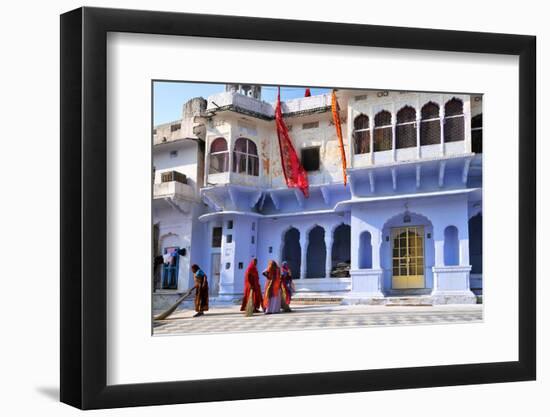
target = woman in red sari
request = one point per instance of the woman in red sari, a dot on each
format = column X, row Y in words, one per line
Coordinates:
column 272, row 293
column 252, row 287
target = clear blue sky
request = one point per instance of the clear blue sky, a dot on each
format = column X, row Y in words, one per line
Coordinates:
column 169, row 96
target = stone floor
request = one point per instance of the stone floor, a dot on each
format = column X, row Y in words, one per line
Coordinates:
column 228, row 318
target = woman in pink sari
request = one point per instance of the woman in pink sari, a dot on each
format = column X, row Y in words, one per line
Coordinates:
column 272, row 293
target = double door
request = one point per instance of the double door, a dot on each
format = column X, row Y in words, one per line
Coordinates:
column 408, row 257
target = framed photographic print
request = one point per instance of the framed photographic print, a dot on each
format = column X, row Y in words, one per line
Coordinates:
column 257, row 208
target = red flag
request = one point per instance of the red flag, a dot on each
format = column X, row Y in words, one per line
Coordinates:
column 338, row 125
column 295, row 174
column 308, row 93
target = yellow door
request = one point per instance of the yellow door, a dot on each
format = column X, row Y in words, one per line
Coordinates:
column 408, row 257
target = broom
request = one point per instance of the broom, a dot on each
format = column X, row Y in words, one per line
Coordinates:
column 249, row 311
column 168, row 312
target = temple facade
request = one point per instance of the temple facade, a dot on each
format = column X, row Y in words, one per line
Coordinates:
column 408, row 223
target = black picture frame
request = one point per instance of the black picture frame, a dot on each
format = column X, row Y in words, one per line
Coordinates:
column 84, row 207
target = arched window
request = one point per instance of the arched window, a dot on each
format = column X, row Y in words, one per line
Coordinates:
column 477, row 133
column 292, row 252
column 405, row 130
column 341, row 252
column 365, row 251
column 453, row 130
column 245, row 157
column 450, row 246
column 382, row 131
column 430, row 129
column 361, row 134
column 219, row 156
column 316, row 253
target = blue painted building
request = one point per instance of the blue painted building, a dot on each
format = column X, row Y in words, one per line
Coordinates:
column 408, row 223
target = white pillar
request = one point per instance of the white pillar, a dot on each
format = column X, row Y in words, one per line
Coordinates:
column 441, row 128
column 328, row 245
column 393, row 138
column 303, row 246
column 376, row 240
column 467, row 126
column 371, row 137
column 418, row 135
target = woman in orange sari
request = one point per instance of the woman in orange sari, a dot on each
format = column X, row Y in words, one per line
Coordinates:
column 287, row 286
column 201, row 290
column 272, row 293
column 252, row 287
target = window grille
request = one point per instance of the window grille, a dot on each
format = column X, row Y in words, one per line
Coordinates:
column 453, row 128
column 382, row 131
column 170, row 176
column 245, row 157
column 361, row 134
column 219, row 156
column 217, row 237
column 311, row 125
column 405, row 130
column 477, row 133
column 430, row 128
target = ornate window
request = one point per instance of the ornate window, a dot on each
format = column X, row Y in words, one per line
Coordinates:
column 361, row 134
column 382, row 131
column 245, row 157
column 430, row 128
column 219, row 156
column 454, row 121
column 477, row 133
column 405, row 130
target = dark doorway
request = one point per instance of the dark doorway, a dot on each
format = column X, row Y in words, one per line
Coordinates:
column 475, row 233
column 292, row 252
column 341, row 251
column 316, row 253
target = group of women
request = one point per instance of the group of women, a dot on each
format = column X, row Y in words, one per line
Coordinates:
column 276, row 295
column 277, row 292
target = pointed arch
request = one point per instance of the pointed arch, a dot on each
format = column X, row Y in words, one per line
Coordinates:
column 405, row 129
column 316, row 253
column 430, row 126
column 382, row 131
column 453, row 130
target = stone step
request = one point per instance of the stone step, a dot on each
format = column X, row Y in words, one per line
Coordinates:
column 409, row 301
column 316, row 300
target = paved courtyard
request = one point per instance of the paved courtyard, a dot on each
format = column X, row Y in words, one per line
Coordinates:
column 228, row 318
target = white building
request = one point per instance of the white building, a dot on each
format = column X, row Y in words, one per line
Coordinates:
column 407, row 224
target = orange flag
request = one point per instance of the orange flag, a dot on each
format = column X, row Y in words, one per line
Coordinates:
column 338, row 125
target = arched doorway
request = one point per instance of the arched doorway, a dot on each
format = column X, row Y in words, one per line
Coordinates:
column 475, row 233
column 408, row 257
column 292, row 252
column 407, row 253
column 316, row 253
column 341, row 251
